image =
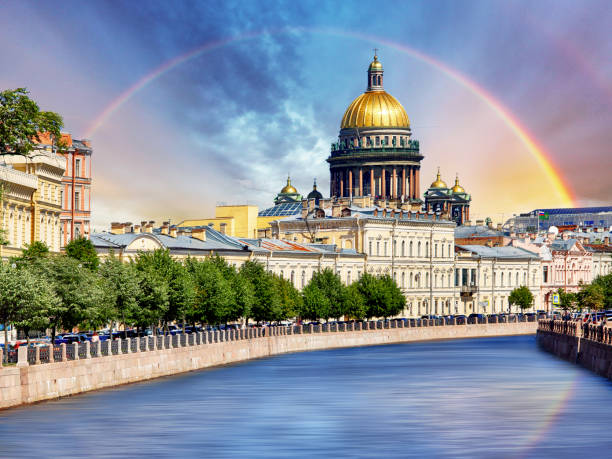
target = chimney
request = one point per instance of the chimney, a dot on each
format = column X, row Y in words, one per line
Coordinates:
column 606, row 240
column 137, row 228
column 117, row 228
column 479, row 222
column 199, row 233
column 499, row 227
column 172, row 231
column 165, row 227
column 148, row 228
column 304, row 209
column 336, row 210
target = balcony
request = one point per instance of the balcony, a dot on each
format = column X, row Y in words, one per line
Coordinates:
column 410, row 152
column 467, row 291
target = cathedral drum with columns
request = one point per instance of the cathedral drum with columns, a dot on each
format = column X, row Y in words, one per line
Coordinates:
column 375, row 155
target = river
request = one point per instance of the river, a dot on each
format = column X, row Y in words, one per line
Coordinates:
column 476, row 398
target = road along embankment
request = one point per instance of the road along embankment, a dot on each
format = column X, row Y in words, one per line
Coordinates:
column 587, row 345
column 47, row 373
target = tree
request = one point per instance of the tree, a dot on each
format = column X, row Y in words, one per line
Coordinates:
column 266, row 304
column 591, row 297
column 25, row 299
column 213, row 299
column 567, row 300
column 289, row 297
column 160, row 272
column 22, row 123
column 355, row 303
column 382, row 297
column 82, row 249
column 605, row 282
column 324, row 296
column 35, row 250
column 521, row 297
column 124, row 289
column 242, row 297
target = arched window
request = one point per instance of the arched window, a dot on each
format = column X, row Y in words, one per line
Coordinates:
column 427, row 249
column 379, row 80
column 517, row 278
column 292, row 277
column 348, row 278
column 371, row 253
column 403, row 248
column 502, row 279
column 426, row 279
column 303, row 279
column 419, row 249
column 436, row 250
column 403, row 280
column 435, row 280
column 377, row 247
column 410, row 248
column 385, row 248
column 394, row 243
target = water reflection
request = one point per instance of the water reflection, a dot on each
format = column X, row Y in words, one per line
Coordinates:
column 481, row 398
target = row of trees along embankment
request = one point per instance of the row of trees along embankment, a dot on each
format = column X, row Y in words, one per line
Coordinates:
column 40, row 291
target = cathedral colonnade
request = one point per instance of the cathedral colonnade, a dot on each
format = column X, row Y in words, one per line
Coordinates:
column 391, row 182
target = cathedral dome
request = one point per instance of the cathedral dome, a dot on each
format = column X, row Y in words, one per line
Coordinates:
column 458, row 188
column 375, row 109
column 439, row 183
column 288, row 188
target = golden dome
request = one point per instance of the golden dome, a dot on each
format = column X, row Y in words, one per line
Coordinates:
column 375, row 65
column 458, row 188
column 288, row 188
column 439, row 183
column 375, row 109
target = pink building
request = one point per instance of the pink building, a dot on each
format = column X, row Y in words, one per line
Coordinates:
column 76, row 190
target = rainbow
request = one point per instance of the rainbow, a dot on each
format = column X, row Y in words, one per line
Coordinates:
column 544, row 160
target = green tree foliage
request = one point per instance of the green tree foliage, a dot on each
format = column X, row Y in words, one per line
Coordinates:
column 22, row 122
column 521, row 297
column 214, row 299
column 324, row 297
column 355, row 303
column 605, row 282
column 289, row 297
column 167, row 285
column 83, row 250
column 33, row 251
column 567, row 300
column 26, row 300
column 266, row 304
column 591, row 297
column 122, row 284
column 381, row 295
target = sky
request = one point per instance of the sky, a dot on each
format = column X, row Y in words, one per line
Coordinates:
column 190, row 104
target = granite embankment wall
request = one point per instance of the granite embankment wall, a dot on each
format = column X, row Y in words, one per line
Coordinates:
column 587, row 345
column 83, row 368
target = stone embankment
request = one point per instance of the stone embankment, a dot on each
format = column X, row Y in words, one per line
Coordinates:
column 47, row 373
column 588, row 345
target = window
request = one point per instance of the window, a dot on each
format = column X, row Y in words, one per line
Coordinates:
column 377, row 247
column 427, row 249
column 377, row 141
column 62, row 198
column 517, row 279
column 410, row 248
column 419, row 249
column 77, row 168
column 386, row 140
column 292, row 278
column 502, row 279
column 77, row 200
column 426, row 279
column 370, row 252
column 403, row 248
column 545, row 274
column 303, row 279
column 348, row 277
column 403, row 280
column 436, row 250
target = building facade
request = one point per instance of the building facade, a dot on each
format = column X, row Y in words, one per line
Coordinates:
column 31, row 201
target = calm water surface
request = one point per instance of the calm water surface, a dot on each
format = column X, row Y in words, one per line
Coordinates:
column 480, row 398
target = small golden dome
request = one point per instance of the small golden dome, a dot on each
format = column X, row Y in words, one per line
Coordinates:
column 458, row 188
column 439, row 183
column 375, row 65
column 375, row 109
column 288, row 188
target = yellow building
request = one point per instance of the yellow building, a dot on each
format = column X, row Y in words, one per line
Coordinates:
column 31, row 201
column 236, row 221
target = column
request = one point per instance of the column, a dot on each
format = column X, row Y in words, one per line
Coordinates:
column 341, row 193
column 350, row 183
column 417, row 187
column 361, row 181
column 394, row 184
column 372, row 184
column 404, row 182
column 383, row 185
column 411, row 174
